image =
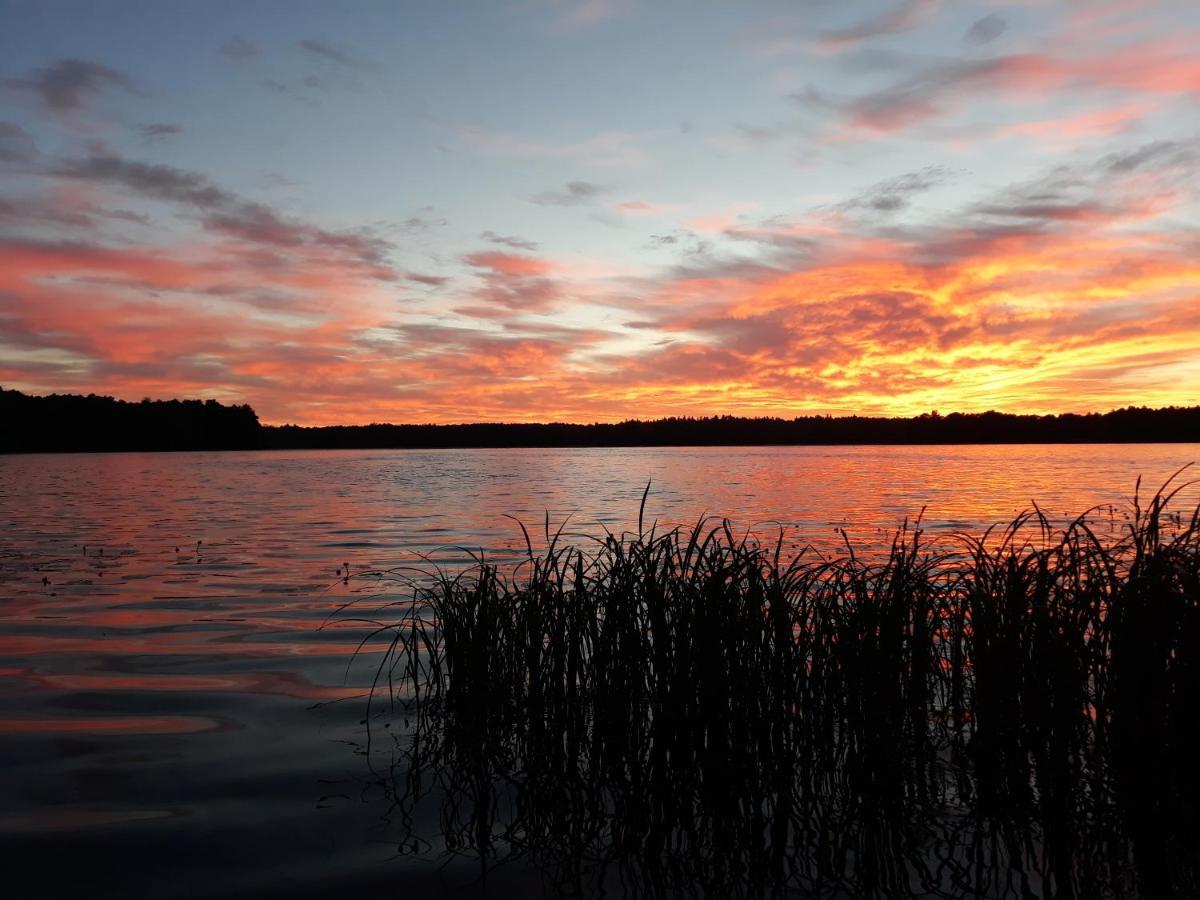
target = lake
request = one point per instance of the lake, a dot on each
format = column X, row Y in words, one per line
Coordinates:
column 181, row 715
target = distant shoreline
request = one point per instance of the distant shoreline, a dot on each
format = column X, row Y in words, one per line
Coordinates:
column 349, row 449
column 73, row 423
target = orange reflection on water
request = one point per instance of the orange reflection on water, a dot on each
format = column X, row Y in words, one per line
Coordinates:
column 288, row 684
column 109, row 725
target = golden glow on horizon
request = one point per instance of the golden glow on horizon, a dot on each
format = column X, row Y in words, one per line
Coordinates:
column 1066, row 323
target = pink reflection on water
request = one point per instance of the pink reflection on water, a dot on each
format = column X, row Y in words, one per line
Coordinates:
column 108, row 725
column 177, row 607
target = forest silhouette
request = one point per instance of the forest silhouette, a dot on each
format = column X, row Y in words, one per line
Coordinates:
column 75, row 423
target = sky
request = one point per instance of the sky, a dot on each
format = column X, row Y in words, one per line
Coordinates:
column 596, row 210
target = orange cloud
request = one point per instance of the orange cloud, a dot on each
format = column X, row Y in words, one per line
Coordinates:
column 509, row 264
column 1078, row 289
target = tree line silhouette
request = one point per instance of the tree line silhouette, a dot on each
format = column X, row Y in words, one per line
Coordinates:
column 69, row 422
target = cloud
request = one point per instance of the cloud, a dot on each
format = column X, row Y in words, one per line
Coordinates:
column 156, row 181
column 259, row 224
column 1104, row 121
column 1037, row 289
column 466, row 354
column 933, row 90
column 1170, row 154
column 642, row 208
column 513, row 281
column 896, row 194
column 16, row 144
column 62, row 211
column 509, row 264
column 906, row 16
column 576, row 193
column 226, row 213
column 985, row 30
column 686, row 242
column 1018, row 297
column 177, row 318
column 324, row 51
column 1117, row 188
column 301, row 91
column 70, row 83
column 505, row 240
column 157, row 131
column 238, row 49
column 424, row 221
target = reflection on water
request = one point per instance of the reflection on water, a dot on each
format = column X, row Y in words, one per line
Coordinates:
column 686, row 715
column 166, row 674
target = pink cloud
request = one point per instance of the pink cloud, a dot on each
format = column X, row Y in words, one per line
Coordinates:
column 1160, row 68
column 510, row 264
column 905, row 16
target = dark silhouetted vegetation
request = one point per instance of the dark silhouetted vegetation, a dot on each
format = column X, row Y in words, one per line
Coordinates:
column 690, row 714
column 63, row 422
column 1131, row 425
column 68, row 422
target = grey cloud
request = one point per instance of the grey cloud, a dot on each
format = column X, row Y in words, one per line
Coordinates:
column 906, row 16
column 576, row 193
column 688, row 243
column 1050, row 211
column 49, row 210
column 16, row 144
column 1171, row 152
column 923, row 94
column 17, row 331
column 896, row 193
column 69, row 83
column 28, row 210
column 421, row 223
column 258, row 224
column 985, row 30
column 1095, row 189
column 261, row 225
column 776, row 232
column 157, row 131
column 294, row 92
column 237, row 49
column 225, row 212
column 516, row 243
column 159, row 182
column 324, row 51
column 750, row 334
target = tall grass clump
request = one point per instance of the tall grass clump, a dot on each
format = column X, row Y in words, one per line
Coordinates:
column 692, row 713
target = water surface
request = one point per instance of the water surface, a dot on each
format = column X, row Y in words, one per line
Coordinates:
column 178, row 709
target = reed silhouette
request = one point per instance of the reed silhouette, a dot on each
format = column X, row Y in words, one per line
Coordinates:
column 689, row 713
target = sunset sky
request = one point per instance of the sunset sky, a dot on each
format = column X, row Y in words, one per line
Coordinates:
column 589, row 211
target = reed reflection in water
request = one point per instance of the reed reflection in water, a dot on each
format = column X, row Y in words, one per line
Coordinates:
column 156, row 706
column 691, row 714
